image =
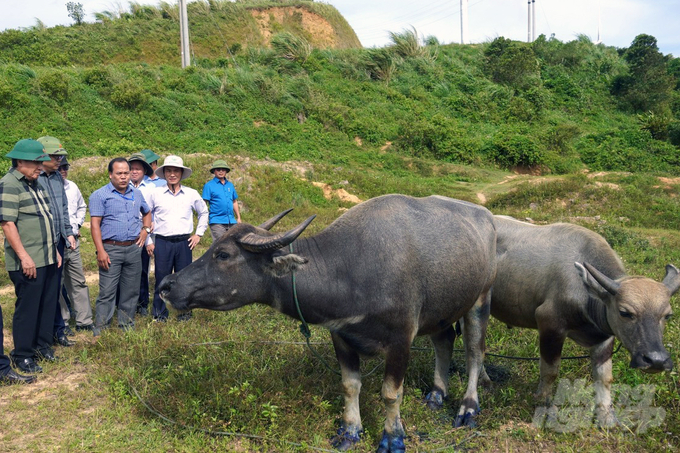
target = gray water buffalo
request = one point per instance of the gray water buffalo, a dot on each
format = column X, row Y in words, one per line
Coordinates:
column 566, row 281
column 386, row 271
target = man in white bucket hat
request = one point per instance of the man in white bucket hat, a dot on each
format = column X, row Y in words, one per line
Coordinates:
column 171, row 206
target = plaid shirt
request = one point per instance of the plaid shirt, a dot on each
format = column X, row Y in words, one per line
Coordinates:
column 26, row 205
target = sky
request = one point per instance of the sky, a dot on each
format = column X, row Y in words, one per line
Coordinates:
column 616, row 22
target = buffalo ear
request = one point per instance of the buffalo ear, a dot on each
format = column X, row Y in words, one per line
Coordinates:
column 285, row 263
column 672, row 278
column 592, row 284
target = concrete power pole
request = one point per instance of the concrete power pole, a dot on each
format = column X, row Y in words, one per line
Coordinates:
column 463, row 21
column 531, row 20
column 184, row 33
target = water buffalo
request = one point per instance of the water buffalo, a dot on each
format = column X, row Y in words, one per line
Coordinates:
column 386, row 271
column 566, row 281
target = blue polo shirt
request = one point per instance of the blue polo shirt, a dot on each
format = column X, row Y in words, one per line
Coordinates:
column 119, row 212
column 221, row 198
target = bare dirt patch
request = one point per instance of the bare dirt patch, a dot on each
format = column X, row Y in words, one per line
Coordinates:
column 322, row 33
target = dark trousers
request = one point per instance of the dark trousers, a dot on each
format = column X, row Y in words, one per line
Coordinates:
column 32, row 325
column 59, row 324
column 4, row 360
column 144, row 283
column 170, row 256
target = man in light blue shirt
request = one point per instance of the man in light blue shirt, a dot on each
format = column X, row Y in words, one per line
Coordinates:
column 221, row 196
column 118, row 233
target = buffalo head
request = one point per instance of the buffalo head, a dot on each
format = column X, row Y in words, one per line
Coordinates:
column 236, row 269
column 635, row 310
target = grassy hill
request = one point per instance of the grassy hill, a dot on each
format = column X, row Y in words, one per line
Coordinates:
column 550, row 131
column 150, row 34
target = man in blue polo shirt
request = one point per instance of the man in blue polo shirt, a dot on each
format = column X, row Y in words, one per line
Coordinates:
column 118, row 233
column 221, row 196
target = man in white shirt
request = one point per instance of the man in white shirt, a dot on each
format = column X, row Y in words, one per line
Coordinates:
column 74, row 278
column 171, row 206
column 140, row 171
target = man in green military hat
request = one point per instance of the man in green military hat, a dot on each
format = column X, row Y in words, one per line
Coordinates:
column 50, row 179
column 152, row 160
column 221, row 196
column 31, row 259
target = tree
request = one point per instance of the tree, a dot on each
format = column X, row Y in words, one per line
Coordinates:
column 648, row 84
column 75, row 12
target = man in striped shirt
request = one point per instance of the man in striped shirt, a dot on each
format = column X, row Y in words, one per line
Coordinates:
column 31, row 257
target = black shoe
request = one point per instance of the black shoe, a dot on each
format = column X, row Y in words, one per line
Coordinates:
column 63, row 341
column 142, row 311
column 47, row 357
column 68, row 332
column 83, row 328
column 12, row 377
column 27, row 365
column 160, row 319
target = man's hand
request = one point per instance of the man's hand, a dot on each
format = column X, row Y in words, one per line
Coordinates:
column 150, row 248
column 28, row 267
column 58, row 260
column 72, row 242
column 193, row 241
column 103, row 260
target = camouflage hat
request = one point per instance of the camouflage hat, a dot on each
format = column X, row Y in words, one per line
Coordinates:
column 219, row 164
column 150, row 156
column 52, row 145
column 28, row 149
column 139, row 157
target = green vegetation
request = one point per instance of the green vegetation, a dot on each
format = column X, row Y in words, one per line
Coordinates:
column 434, row 119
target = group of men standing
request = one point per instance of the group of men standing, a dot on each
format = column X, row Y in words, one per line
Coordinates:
column 143, row 211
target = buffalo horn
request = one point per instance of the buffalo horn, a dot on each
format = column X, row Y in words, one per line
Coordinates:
column 274, row 220
column 256, row 243
column 671, row 279
column 607, row 283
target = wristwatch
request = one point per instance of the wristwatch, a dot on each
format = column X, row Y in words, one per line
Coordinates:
column 147, row 229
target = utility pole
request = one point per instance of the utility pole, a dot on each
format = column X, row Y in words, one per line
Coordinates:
column 463, row 21
column 531, row 20
column 184, row 33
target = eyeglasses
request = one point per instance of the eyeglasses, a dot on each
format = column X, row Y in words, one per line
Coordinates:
column 64, row 167
column 56, row 157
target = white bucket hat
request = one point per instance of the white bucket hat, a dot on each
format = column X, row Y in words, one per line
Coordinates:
column 174, row 161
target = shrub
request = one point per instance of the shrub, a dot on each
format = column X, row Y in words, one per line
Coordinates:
column 55, row 85
column 380, row 64
column 115, row 148
column 511, row 63
column 97, row 77
column 510, row 148
column 129, row 95
column 291, row 47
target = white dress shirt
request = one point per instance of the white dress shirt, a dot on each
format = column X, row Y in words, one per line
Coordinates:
column 76, row 206
column 174, row 214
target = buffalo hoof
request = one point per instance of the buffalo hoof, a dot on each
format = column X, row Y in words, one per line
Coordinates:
column 606, row 418
column 346, row 438
column 391, row 444
column 434, row 400
column 467, row 418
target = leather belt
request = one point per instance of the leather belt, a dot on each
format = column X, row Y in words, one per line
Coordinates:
column 176, row 238
column 121, row 243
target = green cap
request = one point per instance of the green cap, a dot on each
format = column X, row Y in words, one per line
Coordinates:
column 221, row 163
column 139, row 157
column 28, row 149
column 52, row 145
column 150, row 156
